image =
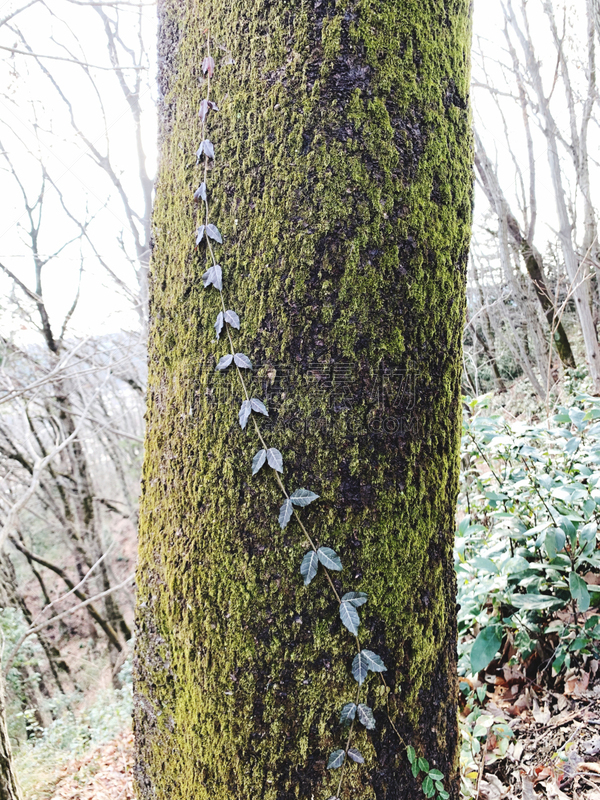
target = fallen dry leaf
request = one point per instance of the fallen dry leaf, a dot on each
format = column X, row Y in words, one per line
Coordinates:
column 491, row 788
column 577, row 684
column 529, row 792
column 589, row 766
column 554, row 792
column 541, row 717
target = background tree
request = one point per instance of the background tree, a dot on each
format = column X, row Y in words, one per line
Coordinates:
column 342, row 187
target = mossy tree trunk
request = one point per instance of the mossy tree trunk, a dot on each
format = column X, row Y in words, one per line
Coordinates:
column 342, row 188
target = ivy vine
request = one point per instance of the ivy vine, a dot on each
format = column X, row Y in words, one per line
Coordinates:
column 318, row 556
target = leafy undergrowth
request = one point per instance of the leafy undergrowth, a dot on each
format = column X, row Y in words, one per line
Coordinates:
column 528, row 574
column 85, row 753
column 103, row 773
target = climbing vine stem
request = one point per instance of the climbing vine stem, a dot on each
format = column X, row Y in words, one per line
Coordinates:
column 317, row 557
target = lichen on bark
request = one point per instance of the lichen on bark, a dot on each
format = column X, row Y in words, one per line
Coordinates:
column 342, row 187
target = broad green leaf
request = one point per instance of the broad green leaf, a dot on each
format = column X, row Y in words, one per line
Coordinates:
column 415, row 769
column 328, row 557
column 436, row 775
column 579, row 591
column 485, row 647
column 424, row 764
column 258, row 461
column 309, row 566
column 535, row 602
column 348, row 713
column 349, row 617
column 411, row 754
column 485, row 565
column 336, row 759
column 554, row 542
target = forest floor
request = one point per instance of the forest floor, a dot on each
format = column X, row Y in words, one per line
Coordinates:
column 556, row 750
column 103, row 773
column 555, row 753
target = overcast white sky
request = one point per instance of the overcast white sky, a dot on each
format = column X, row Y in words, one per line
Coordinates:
column 35, row 130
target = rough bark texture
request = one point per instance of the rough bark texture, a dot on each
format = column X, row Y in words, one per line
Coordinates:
column 342, row 187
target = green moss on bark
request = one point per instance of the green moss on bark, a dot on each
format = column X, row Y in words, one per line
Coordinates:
column 342, row 186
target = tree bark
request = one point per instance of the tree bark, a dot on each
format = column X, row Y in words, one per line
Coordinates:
column 343, row 190
column 9, row 785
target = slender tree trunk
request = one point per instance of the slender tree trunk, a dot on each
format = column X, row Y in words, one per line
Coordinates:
column 531, row 256
column 342, row 186
column 9, row 785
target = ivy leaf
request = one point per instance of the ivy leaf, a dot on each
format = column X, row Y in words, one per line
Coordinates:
column 258, row 460
column 415, row 769
column 232, row 318
column 579, row 591
column 208, row 65
column 209, row 149
column 423, row 764
column 356, row 598
column 203, row 112
column 428, row 787
column 349, row 617
column 213, row 232
column 302, row 497
column 245, row 411
column 200, row 193
column 309, row 566
column 436, row 775
column 224, row 362
column 329, row 558
column 356, row 755
column 214, row 276
column 219, row 324
column 411, row 754
column 348, row 713
column 359, row 668
column 200, row 234
column 275, row 459
column 366, row 718
column 336, row 759
column 374, row 663
column 258, row 406
column 285, row 513
column 242, row 361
